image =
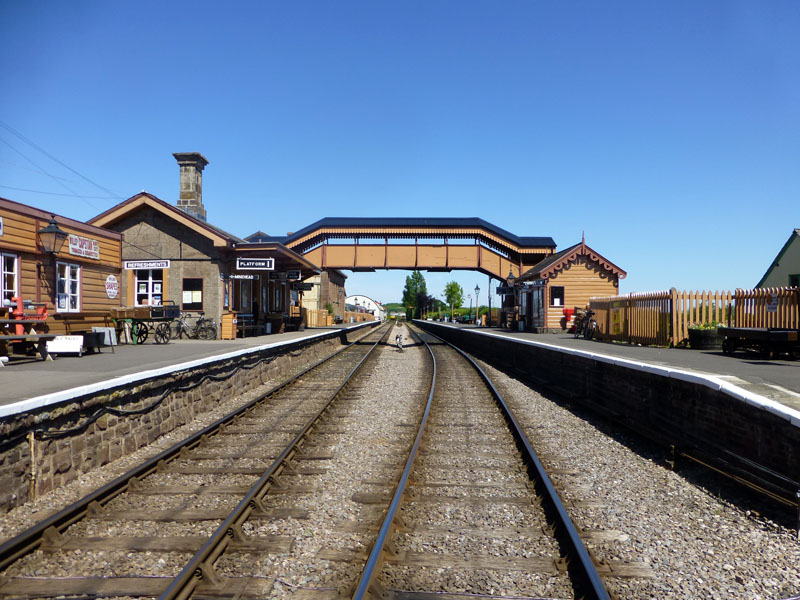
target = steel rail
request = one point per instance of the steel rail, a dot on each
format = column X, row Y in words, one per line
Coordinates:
column 200, row 566
column 30, row 539
column 584, row 573
column 374, row 560
column 591, row 584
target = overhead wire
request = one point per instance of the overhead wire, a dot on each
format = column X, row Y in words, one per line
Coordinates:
column 58, row 180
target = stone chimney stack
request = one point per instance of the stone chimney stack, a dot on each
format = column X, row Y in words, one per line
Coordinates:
column 191, row 196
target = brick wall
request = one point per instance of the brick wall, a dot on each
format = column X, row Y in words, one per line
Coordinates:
column 697, row 419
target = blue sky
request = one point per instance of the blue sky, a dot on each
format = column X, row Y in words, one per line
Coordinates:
column 666, row 131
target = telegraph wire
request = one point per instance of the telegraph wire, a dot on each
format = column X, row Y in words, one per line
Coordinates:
column 8, row 187
column 53, row 158
column 43, row 170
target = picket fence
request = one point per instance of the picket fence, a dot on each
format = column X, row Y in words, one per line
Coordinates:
column 664, row 318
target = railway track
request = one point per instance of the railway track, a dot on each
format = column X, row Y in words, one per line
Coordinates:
column 474, row 510
column 182, row 509
column 417, row 482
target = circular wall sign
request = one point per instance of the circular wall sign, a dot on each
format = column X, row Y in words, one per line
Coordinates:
column 112, row 286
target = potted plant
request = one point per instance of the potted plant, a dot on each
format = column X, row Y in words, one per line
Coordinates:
column 705, row 336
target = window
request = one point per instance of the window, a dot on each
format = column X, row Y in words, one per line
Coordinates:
column 8, row 284
column 149, row 284
column 192, row 294
column 557, row 295
column 794, row 280
column 68, row 287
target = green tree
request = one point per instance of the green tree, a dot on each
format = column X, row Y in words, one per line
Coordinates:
column 415, row 288
column 454, row 294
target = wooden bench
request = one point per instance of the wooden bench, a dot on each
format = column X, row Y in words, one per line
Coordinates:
column 246, row 323
column 39, row 340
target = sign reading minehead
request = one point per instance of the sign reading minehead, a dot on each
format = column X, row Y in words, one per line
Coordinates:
column 255, row 264
column 85, row 247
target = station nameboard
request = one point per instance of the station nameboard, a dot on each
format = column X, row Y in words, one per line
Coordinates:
column 145, row 264
column 255, row 264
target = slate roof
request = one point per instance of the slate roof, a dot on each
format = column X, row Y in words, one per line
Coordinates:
column 411, row 222
column 556, row 262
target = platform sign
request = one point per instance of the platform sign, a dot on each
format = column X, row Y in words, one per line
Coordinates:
column 302, row 287
column 132, row 265
column 255, row 264
column 293, row 275
column 242, row 276
column 505, row 290
column 772, row 303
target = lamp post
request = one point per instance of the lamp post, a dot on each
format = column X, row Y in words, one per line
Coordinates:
column 52, row 238
column 511, row 280
column 477, row 291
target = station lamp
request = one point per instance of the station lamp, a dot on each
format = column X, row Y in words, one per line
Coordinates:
column 477, row 291
column 51, row 238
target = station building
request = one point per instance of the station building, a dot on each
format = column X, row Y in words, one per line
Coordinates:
column 172, row 254
column 57, row 266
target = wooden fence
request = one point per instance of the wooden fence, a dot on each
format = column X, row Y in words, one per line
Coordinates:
column 663, row 318
column 318, row 318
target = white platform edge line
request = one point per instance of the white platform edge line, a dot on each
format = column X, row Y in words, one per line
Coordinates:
column 715, row 383
column 71, row 393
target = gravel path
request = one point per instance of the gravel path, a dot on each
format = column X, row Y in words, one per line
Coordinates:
column 696, row 544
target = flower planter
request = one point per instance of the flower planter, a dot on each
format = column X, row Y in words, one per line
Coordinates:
column 705, row 339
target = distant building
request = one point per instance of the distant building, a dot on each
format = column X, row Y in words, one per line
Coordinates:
column 785, row 269
column 366, row 304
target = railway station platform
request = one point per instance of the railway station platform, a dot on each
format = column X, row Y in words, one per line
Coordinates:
column 30, row 383
column 777, row 380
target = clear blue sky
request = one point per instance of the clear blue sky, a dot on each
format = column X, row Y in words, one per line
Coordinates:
column 667, row 131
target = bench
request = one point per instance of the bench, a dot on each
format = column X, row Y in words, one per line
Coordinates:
column 246, row 323
column 28, row 340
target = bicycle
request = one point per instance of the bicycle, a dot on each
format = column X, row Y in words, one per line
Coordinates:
column 585, row 324
column 203, row 329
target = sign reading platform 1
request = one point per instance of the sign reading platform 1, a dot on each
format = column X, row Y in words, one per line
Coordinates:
column 255, row 264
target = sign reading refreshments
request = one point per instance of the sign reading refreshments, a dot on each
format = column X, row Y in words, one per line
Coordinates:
column 255, row 264
column 112, row 287
column 146, row 264
column 85, row 247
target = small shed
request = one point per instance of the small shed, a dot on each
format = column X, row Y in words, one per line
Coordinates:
column 565, row 280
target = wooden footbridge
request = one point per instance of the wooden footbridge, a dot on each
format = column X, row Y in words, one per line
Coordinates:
column 430, row 244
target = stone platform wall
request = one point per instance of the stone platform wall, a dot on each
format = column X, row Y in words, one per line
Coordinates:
column 682, row 411
column 42, row 449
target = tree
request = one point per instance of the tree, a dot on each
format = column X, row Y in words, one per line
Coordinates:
column 454, row 295
column 415, row 288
